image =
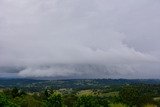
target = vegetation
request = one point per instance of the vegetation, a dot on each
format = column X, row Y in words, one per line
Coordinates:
column 88, row 93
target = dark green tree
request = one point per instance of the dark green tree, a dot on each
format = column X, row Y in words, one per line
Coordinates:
column 103, row 101
column 4, row 102
column 14, row 92
column 55, row 100
column 70, row 100
column 87, row 101
column 134, row 96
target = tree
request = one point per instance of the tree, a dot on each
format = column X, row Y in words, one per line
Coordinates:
column 87, row 101
column 134, row 96
column 103, row 101
column 55, row 100
column 4, row 102
column 14, row 92
column 70, row 100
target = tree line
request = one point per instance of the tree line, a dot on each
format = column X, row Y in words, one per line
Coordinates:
column 129, row 96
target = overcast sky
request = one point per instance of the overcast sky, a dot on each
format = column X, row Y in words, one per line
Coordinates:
column 80, row 38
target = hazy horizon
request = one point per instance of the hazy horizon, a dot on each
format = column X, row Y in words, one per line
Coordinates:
column 80, row 39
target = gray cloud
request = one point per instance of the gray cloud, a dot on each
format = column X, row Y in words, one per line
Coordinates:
column 80, row 38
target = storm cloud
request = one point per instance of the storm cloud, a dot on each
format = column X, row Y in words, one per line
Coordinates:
column 80, row 38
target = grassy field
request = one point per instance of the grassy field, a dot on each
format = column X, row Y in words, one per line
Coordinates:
column 85, row 92
column 1, row 90
column 150, row 105
column 110, row 94
column 117, row 105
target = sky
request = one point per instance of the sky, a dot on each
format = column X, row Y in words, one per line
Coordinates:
column 80, row 38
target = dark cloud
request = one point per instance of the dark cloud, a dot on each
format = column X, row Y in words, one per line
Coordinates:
column 80, row 38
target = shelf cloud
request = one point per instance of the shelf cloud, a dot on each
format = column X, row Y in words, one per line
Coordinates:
column 80, row 38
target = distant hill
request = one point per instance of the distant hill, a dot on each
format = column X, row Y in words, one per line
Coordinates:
column 72, row 83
